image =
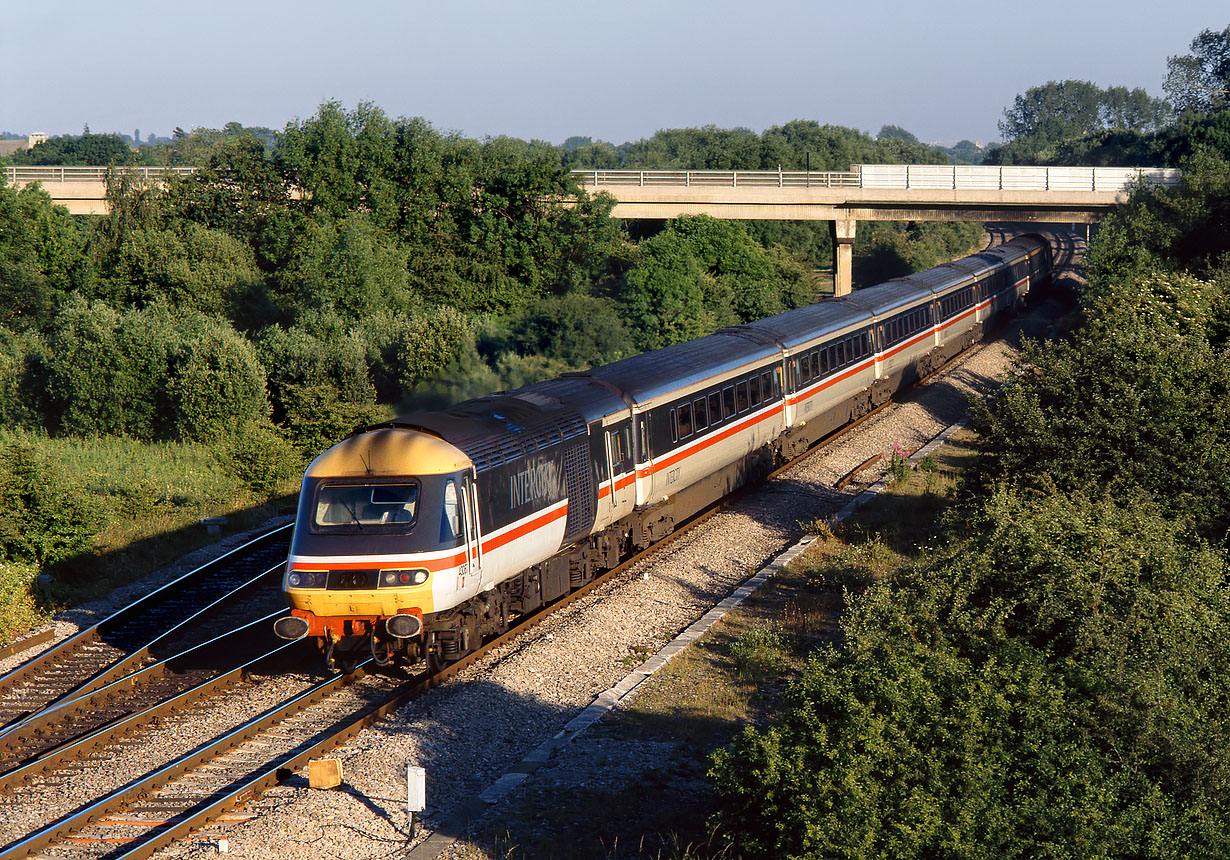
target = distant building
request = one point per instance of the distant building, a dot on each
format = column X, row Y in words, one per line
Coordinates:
column 8, row 147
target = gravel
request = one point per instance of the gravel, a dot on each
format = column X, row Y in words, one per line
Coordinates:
column 470, row 732
column 473, row 730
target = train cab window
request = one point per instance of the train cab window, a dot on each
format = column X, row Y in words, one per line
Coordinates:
column 450, row 521
column 728, row 401
column 715, row 408
column 766, row 386
column 355, row 507
column 700, row 414
column 741, row 396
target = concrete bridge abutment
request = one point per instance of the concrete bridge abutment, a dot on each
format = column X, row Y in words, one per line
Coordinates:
column 843, row 255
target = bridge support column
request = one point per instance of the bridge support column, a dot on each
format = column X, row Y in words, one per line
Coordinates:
column 843, row 256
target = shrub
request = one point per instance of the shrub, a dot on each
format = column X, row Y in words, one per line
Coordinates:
column 18, row 606
column 22, row 357
column 760, row 650
column 217, row 384
column 42, row 518
column 259, row 457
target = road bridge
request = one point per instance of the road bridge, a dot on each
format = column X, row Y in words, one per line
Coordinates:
column 866, row 192
column 875, row 192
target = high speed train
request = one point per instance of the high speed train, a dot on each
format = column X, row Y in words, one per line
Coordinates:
column 420, row 537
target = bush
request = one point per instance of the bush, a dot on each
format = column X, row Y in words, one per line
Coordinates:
column 217, row 385
column 18, row 606
column 22, row 357
column 259, row 457
column 43, row 520
column 761, row 649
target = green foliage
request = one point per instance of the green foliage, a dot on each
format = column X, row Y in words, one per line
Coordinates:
column 156, row 373
column 19, row 609
column 1199, row 81
column 86, row 149
column 41, row 257
column 43, row 520
column 1183, row 227
column 348, row 266
column 663, row 296
column 576, row 329
column 22, row 355
column 259, row 457
column 1047, row 686
column 1044, row 119
column 217, row 385
column 884, row 250
column 760, row 650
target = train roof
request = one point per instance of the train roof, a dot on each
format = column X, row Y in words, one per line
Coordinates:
column 805, row 324
column 886, row 297
column 658, row 373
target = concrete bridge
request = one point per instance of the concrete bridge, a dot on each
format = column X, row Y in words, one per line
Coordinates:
column 875, row 192
column 866, row 192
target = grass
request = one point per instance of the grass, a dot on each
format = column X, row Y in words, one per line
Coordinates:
column 735, row 676
column 146, row 503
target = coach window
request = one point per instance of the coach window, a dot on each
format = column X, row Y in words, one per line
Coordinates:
column 766, row 386
column 674, row 426
column 728, row 401
column 700, row 414
column 803, row 369
column 685, row 420
column 741, row 396
column 753, row 385
column 642, row 432
column 715, row 407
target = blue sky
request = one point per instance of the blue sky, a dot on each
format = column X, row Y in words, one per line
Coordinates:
column 550, row 69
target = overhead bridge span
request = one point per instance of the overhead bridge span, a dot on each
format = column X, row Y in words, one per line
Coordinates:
column 875, row 192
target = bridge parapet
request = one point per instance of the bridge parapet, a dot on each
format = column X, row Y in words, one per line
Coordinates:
column 929, row 177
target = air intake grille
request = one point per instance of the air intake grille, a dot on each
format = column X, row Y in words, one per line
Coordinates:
column 580, row 492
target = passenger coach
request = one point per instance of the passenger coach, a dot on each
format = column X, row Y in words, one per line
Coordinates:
column 421, row 537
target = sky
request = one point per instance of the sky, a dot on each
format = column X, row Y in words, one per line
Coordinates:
column 552, row 69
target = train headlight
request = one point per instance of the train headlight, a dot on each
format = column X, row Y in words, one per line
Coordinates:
column 307, row 579
column 396, row 578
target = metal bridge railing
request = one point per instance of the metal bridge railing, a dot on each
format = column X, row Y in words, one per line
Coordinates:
column 896, row 176
column 24, row 175
column 720, row 178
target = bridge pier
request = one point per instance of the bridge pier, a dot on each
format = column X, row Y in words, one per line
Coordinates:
column 843, row 255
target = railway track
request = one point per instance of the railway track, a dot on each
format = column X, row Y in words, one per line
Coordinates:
column 201, row 786
column 207, row 783
column 170, row 620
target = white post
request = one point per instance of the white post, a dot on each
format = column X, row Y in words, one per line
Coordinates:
column 416, row 793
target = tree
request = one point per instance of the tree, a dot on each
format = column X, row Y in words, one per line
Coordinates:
column 1044, row 119
column 895, row 132
column 1053, row 112
column 1200, row 81
column 86, row 149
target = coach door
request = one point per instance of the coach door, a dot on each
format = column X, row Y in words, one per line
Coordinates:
column 620, row 468
column 470, row 529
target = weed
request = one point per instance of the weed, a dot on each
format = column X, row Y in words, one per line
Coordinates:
column 762, row 649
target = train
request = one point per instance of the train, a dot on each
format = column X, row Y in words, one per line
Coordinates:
column 419, row 538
